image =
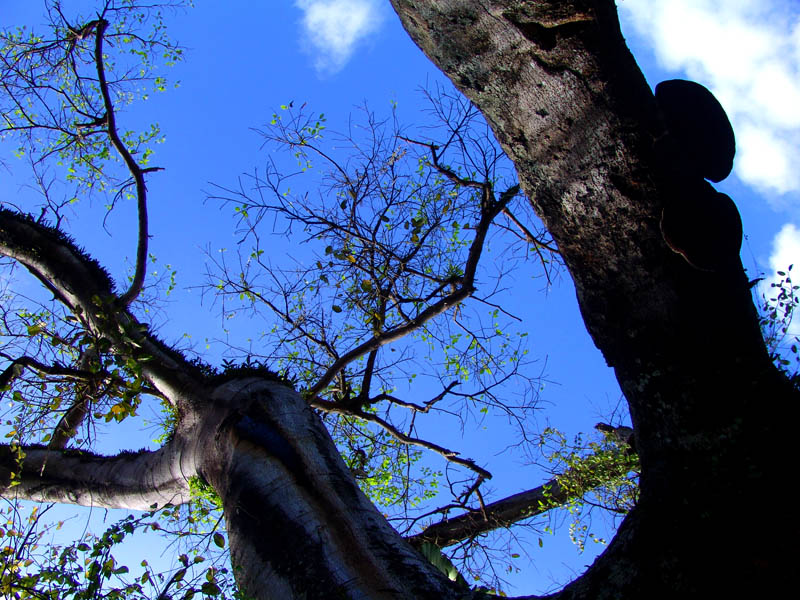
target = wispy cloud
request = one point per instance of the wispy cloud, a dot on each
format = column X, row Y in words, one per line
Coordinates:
column 748, row 53
column 785, row 249
column 333, row 29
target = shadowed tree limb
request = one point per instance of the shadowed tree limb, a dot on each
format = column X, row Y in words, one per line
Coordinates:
column 513, row 509
column 18, row 365
column 135, row 170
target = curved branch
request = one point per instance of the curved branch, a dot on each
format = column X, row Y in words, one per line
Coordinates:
column 72, row 277
column 84, row 288
column 135, row 481
column 135, row 170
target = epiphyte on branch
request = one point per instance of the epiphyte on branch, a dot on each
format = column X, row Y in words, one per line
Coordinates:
column 699, row 128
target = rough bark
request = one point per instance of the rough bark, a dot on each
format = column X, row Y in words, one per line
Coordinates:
column 712, row 416
column 299, row 525
column 569, row 105
column 135, row 481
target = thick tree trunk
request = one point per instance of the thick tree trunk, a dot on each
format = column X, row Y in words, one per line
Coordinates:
column 299, row 525
column 713, row 418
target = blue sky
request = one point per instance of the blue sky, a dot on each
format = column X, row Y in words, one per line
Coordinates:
column 244, row 59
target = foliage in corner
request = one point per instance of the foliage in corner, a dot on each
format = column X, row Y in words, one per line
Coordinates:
column 595, row 474
column 33, row 568
column 777, row 313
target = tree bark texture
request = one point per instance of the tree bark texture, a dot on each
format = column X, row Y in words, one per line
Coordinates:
column 299, row 525
column 712, row 416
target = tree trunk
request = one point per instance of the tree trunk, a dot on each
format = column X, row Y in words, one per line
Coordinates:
column 713, row 418
column 299, row 525
column 711, row 414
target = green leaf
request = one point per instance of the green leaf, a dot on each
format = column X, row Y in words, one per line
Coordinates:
column 440, row 561
column 35, row 329
column 211, row 589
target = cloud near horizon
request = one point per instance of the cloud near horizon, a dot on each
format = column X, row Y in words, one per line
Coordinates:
column 334, row 28
column 748, row 53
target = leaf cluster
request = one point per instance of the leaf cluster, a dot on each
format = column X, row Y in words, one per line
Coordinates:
column 57, row 87
column 33, row 568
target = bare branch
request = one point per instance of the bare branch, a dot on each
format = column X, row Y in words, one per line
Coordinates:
column 136, row 480
column 450, row 455
column 532, row 239
column 461, row 293
column 136, row 171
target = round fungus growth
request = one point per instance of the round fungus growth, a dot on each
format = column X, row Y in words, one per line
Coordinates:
column 704, row 226
column 699, row 126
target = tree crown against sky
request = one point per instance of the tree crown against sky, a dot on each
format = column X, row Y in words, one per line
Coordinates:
column 348, row 185
column 447, row 187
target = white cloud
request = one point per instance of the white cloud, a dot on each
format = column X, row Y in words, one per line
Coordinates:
column 748, row 53
column 766, row 158
column 785, row 248
column 333, row 29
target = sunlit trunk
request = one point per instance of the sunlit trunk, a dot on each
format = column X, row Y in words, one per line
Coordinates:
column 299, row 526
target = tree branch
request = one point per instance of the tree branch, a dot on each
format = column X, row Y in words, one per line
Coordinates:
column 135, row 170
column 135, row 480
column 465, row 288
column 511, row 510
column 450, row 455
column 79, row 283
column 17, row 366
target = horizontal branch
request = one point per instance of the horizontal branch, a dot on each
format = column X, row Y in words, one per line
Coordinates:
column 18, row 365
column 513, row 509
column 134, row 481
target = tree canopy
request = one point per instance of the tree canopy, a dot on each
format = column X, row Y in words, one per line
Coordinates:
column 307, row 455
